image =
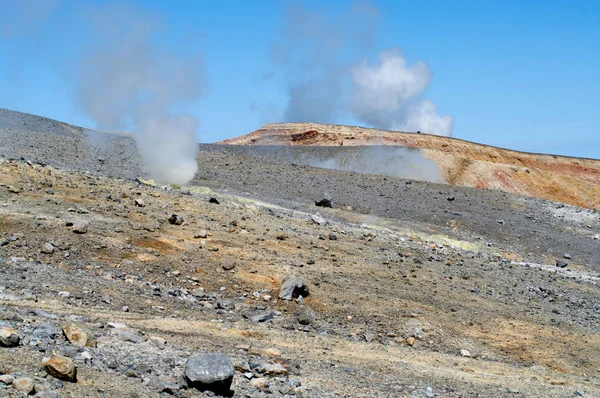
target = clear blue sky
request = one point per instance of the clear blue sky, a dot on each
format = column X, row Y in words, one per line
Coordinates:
column 517, row 74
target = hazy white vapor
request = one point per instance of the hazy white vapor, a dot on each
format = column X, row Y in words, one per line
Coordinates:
column 385, row 96
column 422, row 116
column 128, row 81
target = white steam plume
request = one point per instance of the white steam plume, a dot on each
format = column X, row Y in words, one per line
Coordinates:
column 128, row 81
column 323, row 84
column 385, row 95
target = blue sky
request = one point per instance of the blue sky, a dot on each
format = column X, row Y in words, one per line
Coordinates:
column 522, row 75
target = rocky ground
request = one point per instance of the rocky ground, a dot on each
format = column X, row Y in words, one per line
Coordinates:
column 239, row 285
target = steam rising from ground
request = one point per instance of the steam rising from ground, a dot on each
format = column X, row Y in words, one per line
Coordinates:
column 385, row 160
column 313, row 55
column 128, row 81
column 385, row 96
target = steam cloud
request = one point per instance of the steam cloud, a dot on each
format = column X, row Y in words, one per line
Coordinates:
column 126, row 80
column 312, row 53
column 384, row 96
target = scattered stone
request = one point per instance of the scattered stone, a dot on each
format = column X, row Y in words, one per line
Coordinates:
column 332, row 236
column 325, row 202
column 126, row 336
column 259, row 383
column 419, row 334
column 306, row 317
column 567, row 256
column 140, row 202
column 47, row 394
column 465, row 353
column 60, row 367
column 23, row 384
column 7, row 379
column 281, row 235
column 271, row 352
column 293, row 287
column 228, row 265
column 259, row 316
column 410, row 341
column 9, row 337
column 450, row 198
column 80, row 227
column 214, row 200
column 317, row 219
column 78, row 335
column 201, row 235
column 266, row 368
column 12, row 189
column 209, row 372
column 226, row 304
column 47, row 248
column 175, row 219
column 44, row 331
column 561, row 264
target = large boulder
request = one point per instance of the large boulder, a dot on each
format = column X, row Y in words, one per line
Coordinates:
column 209, row 372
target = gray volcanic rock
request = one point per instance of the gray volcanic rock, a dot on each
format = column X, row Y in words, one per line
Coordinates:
column 209, row 372
column 293, row 287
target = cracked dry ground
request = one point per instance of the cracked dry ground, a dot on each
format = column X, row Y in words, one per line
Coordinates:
column 374, row 291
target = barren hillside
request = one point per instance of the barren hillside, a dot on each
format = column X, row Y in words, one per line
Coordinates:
column 569, row 180
column 401, row 288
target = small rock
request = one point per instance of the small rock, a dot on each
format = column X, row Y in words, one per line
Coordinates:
column 293, row 287
column 228, row 265
column 306, row 317
column 44, row 331
column 60, row 367
column 78, row 335
column 561, row 264
column 271, row 352
column 13, row 189
column 318, row 219
column 126, row 336
column 9, row 337
column 465, row 353
column 175, row 219
column 567, row 256
column 332, row 236
column 47, row 394
column 80, row 227
column 23, row 384
column 7, row 379
column 214, row 200
column 226, row 304
column 281, row 235
column 140, row 202
column 47, row 248
column 259, row 383
column 209, row 372
column 259, row 316
column 419, row 334
column 325, row 202
column 201, row 235
column 410, row 341
column 270, row 369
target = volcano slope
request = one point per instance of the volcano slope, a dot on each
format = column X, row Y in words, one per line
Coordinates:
column 411, row 294
column 575, row 181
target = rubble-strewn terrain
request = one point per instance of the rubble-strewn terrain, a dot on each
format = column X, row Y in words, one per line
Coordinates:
column 402, row 288
column 574, row 181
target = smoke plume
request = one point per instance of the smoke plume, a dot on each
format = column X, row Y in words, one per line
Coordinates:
column 385, row 95
column 127, row 80
column 324, row 83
